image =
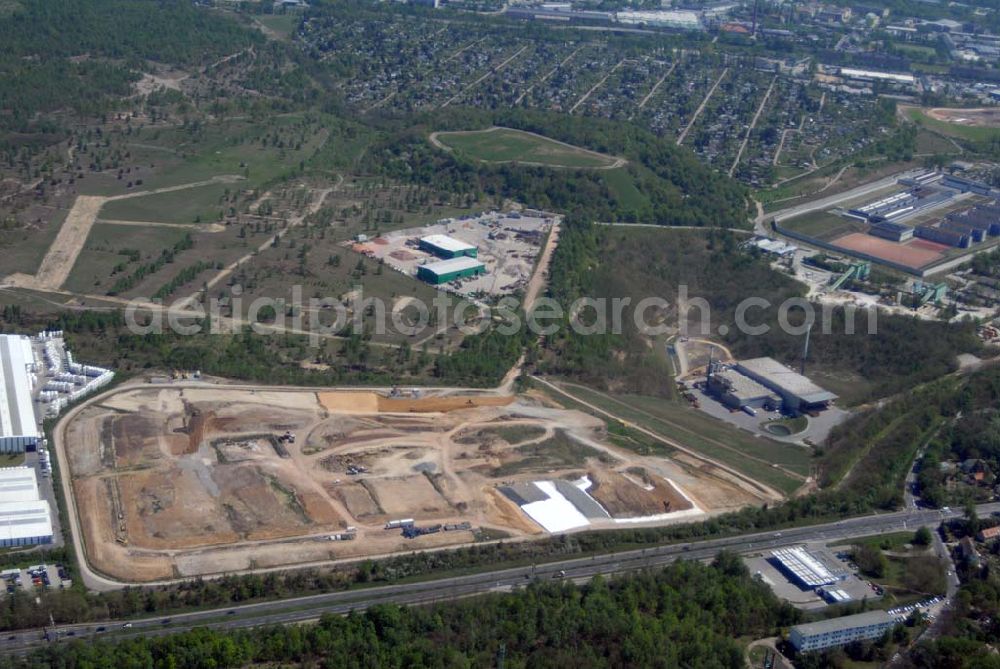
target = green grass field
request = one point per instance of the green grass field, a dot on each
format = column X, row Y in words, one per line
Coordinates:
column 822, row 225
column 740, row 450
column 932, row 142
column 11, row 459
column 191, row 205
column 621, row 184
column 282, row 25
column 22, row 249
column 92, row 271
column 504, row 145
column 977, row 134
column 169, row 156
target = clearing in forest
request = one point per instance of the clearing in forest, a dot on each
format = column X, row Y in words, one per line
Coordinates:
column 506, row 145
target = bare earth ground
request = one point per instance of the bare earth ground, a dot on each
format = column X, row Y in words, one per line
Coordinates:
column 183, row 480
column 986, row 117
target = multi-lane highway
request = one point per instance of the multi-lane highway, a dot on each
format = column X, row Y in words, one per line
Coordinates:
column 302, row 609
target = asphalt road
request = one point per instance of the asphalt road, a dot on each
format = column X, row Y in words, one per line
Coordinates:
column 304, row 609
column 826, row 202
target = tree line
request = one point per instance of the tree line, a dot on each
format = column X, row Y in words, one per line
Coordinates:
column 687, row 615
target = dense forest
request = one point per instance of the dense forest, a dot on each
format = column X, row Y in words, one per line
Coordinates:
column 84, row 54
column 612, row 262
column 105, row 338
column 687, row 615
column 670, row 185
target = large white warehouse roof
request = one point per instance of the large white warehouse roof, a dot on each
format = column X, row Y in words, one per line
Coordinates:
column 18, row 484
column 17, row 416
column 776, row 375
column 806, row 568
column 453, row 265
column 24, row 521
column 24, row 518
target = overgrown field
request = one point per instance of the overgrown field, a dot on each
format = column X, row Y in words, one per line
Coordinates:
column 504, row 145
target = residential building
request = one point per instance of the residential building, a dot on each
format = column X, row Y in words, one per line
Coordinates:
column 840, row 631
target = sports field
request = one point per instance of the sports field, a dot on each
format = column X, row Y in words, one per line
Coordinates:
column 506, row 145
column 976, row 125
column 915, row 253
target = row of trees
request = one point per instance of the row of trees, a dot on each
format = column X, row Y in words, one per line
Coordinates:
column 686, row 615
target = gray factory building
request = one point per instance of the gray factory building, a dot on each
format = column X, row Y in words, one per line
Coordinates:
column 797, row 392
column 736, row 390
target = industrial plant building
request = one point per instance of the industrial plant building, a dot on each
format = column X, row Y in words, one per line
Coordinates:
column 805, row 569
column 985, row 218
column 888, row 207
column 797, row 393
column 736, row 390
column 25, row 520
column 975, row 235
column 963, row 185
column 841, row 631
column 943, row 236
column 447, row 247
column 896, row 232
column 437, row 273
column 18, row 429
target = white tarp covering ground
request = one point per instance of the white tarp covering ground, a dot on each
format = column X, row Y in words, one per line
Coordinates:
column 555, row 514
column 559, row 514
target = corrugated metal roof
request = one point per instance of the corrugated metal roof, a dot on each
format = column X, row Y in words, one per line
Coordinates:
column 453, row 265
column 22, row 514
column 447, row 243
column 25, row 520
column 18, row 484
column 806, row 568
column 742, row 387
column 17, row 416
column 779, row 376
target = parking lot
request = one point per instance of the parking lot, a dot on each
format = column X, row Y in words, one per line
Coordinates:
column 34, row 577
column 817, row 430
column 768, row 570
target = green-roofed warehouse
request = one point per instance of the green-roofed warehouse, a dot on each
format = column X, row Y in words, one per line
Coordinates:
column 436, row 273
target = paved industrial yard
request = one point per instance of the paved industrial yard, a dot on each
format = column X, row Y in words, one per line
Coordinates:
column 507, row 243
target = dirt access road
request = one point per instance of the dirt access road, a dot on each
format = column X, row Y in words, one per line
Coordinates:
column 750, row 485
column 66, row 247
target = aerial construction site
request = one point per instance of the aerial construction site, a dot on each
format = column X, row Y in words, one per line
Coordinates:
column 174, row 480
